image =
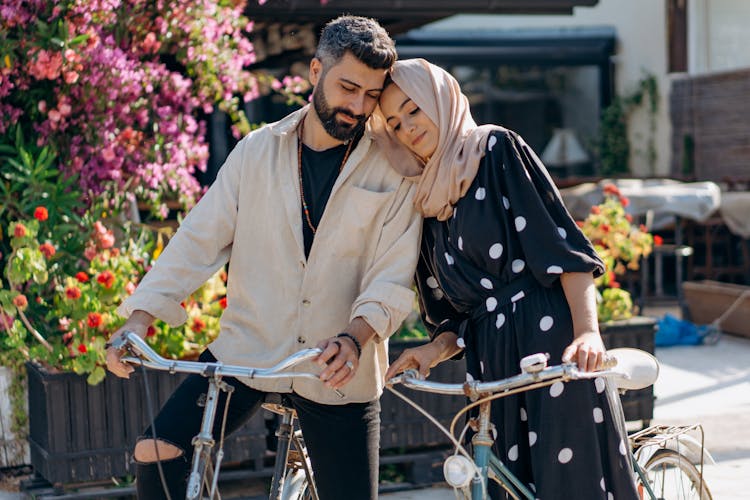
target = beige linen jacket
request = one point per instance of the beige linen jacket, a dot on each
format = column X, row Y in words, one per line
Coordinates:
column 361, row 263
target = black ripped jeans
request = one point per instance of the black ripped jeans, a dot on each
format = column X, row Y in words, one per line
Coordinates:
column 342, row 440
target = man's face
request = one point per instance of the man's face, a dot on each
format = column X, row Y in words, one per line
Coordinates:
column 345, row 95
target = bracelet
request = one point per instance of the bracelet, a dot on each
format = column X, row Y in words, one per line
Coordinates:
column 354, row 340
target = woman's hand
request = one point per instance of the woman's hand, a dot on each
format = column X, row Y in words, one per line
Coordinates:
column 420, row 358
column 587, row 350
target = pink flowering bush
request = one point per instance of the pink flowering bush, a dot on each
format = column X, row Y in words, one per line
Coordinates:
column 115, row 87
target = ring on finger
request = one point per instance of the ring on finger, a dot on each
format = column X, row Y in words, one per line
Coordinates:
column 349, row 365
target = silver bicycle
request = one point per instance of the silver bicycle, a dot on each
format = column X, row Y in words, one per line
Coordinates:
column 667, row 461
column 293, row 475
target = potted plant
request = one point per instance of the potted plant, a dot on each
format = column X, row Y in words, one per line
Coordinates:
column 621, row 245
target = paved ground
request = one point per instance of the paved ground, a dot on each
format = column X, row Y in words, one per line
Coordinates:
column 706, row 384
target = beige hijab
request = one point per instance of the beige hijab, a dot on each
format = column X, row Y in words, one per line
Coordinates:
column 447, row 175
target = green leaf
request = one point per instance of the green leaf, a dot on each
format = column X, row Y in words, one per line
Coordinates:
column 96, row 376
column 78, row 40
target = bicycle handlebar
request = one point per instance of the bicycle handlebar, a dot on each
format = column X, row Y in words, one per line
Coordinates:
column 145, row 356
column 473, row 389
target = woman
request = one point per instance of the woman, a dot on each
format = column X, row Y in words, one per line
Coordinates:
column 505, row 272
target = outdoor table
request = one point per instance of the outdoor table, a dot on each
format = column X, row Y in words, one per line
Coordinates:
column 659, row 203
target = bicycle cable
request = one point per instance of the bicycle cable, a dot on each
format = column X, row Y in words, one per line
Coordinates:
column 150, row 409
column 220, row 451
column 497, row 395
column 456, row 443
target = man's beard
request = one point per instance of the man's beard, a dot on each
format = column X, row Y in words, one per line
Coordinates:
column 327, row 116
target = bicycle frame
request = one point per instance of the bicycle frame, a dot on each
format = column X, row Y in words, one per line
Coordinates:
column 535, row 374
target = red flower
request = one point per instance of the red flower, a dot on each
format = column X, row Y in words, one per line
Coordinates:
column 580, row 223
column 610, row 276
column 94, row 320
column 82, row 348
column 658, row 240
column 628, row 217
column 20, row 301
column 106, row 278
column 605, row 228
column 624, row 201
column 41, row 214
column 19, row 231
column 151, row 331
column 223, row 302
column 198, row 325
column 67, row 337
column 47, row 249
column 82, row 277
column 611, row 189
column 73, row 293
column 596, row 210
column 614, row 284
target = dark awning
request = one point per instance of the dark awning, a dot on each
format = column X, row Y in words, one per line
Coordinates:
column 398, row 16
column 546, row 46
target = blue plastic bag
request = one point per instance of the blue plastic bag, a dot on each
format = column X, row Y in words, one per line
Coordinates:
column 674, row 331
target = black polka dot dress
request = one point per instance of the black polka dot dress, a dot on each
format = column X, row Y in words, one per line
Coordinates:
column 491, row 274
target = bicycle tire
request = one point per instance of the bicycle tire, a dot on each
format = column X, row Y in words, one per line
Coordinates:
column 296, row 486
column 672, row 476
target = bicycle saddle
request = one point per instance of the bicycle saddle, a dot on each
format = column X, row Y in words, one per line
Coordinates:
column 639, row 369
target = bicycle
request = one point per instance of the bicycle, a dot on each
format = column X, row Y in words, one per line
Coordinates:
column 667, row 461
column 293, row 476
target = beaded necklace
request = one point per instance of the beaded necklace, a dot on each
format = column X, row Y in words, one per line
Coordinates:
column 299, row 171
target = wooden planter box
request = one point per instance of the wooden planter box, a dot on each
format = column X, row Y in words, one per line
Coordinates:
column 401, row 425
column 707, row 300
column 79, row 432
column 635, row 332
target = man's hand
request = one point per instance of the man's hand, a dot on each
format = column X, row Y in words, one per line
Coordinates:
column 138, row 322
column 587, row 350
column 339, row 357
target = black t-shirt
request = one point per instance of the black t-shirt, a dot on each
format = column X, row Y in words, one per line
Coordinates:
column 320, row 169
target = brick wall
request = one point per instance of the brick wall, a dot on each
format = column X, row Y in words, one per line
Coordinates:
column 714, row 111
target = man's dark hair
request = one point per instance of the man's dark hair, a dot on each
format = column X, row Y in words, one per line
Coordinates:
column 363, row 37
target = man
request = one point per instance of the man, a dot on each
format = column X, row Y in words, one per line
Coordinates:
column 322, row 242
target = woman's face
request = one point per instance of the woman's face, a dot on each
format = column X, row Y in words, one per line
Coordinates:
column 410, row 124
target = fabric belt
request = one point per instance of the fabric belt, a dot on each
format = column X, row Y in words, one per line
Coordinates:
column 507, row 294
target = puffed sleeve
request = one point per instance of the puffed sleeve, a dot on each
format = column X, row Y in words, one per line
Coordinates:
column 551, row 241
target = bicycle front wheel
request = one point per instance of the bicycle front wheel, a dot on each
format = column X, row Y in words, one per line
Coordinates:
column 673, row 477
